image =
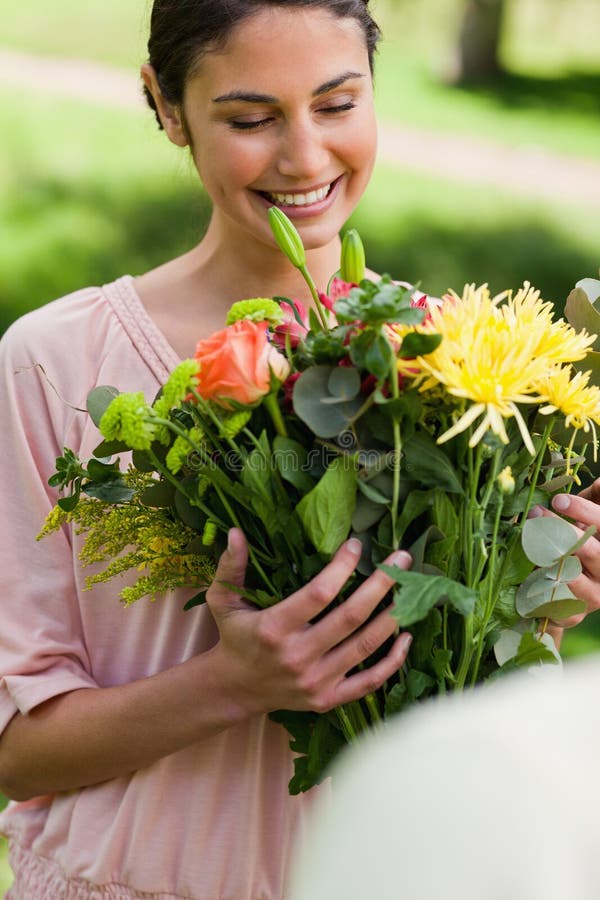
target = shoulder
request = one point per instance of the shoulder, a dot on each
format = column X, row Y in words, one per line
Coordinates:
column 54, row 321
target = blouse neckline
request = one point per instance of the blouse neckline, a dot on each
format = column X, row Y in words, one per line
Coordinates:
column 144, row 333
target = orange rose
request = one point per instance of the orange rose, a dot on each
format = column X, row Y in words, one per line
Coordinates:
column 238, row 363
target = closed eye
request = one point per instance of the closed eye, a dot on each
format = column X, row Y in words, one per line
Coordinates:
column 344, row 107
column 255, row 125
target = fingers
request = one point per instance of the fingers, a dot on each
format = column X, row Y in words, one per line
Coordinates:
column 370, row 680
column 361, row 645
column 576, row 506
column 300, row 607
column 592, row 492
column 354, row 612
column 231, row 570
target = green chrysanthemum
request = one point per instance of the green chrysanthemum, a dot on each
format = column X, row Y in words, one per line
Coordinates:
column 179, row 454
column 259, row 309
column 181, row 381
column 233, row 424
column 129, row 419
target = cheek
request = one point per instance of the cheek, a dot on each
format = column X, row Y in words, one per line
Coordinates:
column 361, row 151
column 231, row 165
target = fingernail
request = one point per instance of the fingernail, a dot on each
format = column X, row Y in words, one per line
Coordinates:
column 561, row 502
column 405, row 641
column 354, row 546
column 399, row 558
column 535, row 511
column 229, row 541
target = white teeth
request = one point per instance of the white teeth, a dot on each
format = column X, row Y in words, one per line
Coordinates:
column 301, row 199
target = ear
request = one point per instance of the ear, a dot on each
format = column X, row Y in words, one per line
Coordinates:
column 169, row 114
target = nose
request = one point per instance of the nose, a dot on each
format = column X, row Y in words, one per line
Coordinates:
column 303, row 154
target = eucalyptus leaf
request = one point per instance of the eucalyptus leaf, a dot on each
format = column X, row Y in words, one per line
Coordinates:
column 344, row 382
column 581, row 313
column 557, row 484
column 98, row 401
column 540, row 596
column 560, row 608
column 324, row 420
column 546, row 539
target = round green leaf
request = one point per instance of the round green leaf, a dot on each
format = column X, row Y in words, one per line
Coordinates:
column 344, row 382
column 98, row 401
column 546, row 539
column 580, row 313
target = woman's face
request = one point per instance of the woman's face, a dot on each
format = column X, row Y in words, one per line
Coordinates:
column 284, row 116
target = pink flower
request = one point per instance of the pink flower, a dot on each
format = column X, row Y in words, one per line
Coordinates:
column 238, row 364
column 290, row 325
column 288, row 391
column 337, row 289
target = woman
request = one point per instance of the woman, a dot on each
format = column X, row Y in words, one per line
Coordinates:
column 137, row 741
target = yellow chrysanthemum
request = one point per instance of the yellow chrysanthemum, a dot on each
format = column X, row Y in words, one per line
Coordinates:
column 571, row 394
column 489, row 356
column 557, row 341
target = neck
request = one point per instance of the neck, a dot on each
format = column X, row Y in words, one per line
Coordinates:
column 251, row 268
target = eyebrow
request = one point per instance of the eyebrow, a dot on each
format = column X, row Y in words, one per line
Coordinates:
column 251, row 97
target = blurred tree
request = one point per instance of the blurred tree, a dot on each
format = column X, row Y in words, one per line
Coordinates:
column 477, row 57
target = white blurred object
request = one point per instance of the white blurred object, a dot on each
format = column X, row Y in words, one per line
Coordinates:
column 491, row 796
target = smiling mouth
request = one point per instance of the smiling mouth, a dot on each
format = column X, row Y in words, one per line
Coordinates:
column 299, row 199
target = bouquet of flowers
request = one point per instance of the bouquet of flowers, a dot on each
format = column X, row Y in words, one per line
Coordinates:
column 383, row 414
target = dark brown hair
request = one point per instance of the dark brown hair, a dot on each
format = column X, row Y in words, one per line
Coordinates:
column 181, row 31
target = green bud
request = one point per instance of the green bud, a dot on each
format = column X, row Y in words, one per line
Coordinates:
column 287, row 237
column 353, row 258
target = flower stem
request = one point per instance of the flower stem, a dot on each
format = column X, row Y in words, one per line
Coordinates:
column 315, row 295
column 397, row 453
column 272, row 407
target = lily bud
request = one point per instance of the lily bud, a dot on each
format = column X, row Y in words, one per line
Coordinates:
column 506, row 481
column 352, row 267
column 287, row 237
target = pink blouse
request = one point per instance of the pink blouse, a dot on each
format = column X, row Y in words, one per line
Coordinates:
column 211, row 822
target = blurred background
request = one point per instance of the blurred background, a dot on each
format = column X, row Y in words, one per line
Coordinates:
column 489, row 167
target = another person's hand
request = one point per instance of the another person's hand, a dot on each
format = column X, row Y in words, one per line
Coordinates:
column 276, row 659
column 584, row 510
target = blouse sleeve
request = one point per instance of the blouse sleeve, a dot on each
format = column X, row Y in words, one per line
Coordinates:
column 42, row 648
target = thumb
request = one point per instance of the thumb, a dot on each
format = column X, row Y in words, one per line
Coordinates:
column 231, row 570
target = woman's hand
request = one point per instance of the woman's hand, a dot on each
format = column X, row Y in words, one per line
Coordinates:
column 265, row 660
column 276, row 659
column 584, row 510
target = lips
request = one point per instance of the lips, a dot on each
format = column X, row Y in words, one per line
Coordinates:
column 298, row 200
